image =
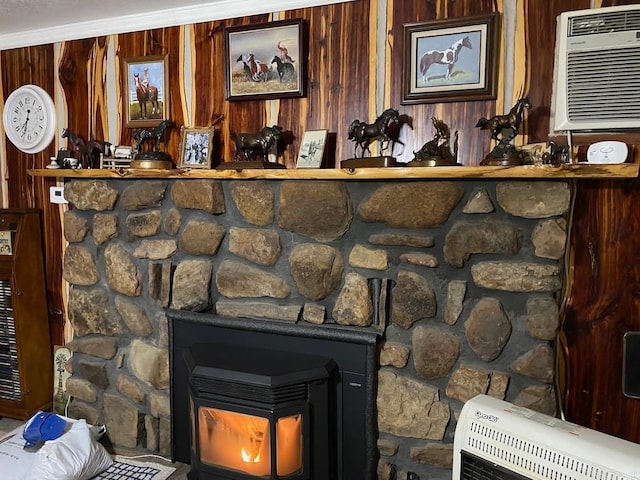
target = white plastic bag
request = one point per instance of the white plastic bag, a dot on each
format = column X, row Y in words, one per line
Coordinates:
column 76, row 455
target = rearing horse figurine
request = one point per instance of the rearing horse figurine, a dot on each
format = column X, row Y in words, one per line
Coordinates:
column 509, row 123
column 364, row 133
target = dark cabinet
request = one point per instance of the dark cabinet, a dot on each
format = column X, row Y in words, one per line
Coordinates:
column 26, row 365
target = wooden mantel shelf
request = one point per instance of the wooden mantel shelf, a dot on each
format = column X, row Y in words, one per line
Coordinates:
column 568, row 171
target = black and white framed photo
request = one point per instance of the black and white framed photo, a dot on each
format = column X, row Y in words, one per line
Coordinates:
column 451, row 60
column 312, row 149
column 196, row 144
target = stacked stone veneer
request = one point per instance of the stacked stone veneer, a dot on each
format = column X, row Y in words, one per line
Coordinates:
column 476, row 268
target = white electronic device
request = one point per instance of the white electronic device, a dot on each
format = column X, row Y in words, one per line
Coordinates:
column 607, row 152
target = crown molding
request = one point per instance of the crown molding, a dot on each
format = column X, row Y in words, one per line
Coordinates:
column 218, row 10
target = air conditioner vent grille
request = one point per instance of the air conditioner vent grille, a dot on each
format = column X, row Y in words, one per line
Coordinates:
column 530, row 459
column 605, row 22
column 598, row 91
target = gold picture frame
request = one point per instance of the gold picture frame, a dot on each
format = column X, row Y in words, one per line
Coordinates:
column 146, row 87
column 196, row 144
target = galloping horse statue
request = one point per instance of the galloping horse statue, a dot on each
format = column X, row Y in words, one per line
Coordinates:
column 447, row 57
column 364, row 133
column 504, row 128
column 146, row 94
column 249, row 143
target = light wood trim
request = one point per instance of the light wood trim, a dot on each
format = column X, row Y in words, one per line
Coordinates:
column 617, row 171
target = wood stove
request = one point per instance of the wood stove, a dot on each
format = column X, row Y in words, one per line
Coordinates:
column 257, row 399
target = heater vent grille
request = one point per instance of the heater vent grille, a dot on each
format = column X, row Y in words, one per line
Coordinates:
column 615, row 93
column 533, row 460
column 244, row 391
column 604, row 22
column 475, row 468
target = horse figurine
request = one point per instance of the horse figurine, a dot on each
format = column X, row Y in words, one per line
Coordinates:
column 144, row 95
column 438, row 150
column 447, row 57
column 79, row 148
column 508, row 123
column 249, row 143
column 364, row 133
column 144, row 135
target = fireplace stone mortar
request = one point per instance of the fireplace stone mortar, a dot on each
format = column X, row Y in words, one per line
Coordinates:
column 474, row 271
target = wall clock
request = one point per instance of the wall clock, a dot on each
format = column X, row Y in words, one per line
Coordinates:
column 29, row 118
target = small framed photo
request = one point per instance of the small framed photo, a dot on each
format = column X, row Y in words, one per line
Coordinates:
column 147, row 90
column 196, row 144
column 265, row 61
column 452, row 60
column 312, row 149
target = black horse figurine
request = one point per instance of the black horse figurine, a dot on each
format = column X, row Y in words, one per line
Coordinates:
column 364, row 133
column 248, row 144
column 144, row 135
column 504, row 128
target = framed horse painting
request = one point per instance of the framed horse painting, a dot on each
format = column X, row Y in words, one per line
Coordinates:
column 452, row 60
column 265, row 61
column 146, row 90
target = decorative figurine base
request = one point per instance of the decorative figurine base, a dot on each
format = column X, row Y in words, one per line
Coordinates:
column 503, row 156
column 248, row 164
column 369, row 162
column 158, row 160
column 432, row 162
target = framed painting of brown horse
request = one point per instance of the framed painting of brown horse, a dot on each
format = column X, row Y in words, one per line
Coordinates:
column 146, row 90
column 451, row 60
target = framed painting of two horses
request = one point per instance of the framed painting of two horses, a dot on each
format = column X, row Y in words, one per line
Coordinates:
column 265, row 61
column 451, row 60
column 146, row 88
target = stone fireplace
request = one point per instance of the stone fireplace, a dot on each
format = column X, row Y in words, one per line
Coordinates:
column 468, row 273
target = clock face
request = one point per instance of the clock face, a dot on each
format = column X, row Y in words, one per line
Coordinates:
column 29, row 118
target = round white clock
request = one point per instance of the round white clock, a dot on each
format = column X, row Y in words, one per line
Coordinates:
column 29, row 118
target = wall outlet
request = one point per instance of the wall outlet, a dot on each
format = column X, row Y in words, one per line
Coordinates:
column 56, row 195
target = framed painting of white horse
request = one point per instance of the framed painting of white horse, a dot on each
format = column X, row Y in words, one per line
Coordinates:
column 146, row 87
column 451, row 60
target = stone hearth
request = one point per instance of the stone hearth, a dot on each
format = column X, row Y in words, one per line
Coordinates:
column 474, row 270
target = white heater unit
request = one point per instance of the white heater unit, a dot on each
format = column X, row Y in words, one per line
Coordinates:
column 597, row 70
column 498, row 440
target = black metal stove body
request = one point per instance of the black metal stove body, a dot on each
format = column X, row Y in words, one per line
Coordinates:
column 314, row 385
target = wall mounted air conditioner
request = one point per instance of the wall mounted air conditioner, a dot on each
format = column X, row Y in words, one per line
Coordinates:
column 498, row 440
column 597, row 70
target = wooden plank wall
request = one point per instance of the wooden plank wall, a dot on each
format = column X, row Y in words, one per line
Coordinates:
column 342, row 86
column 603, row 303
column 35, row 65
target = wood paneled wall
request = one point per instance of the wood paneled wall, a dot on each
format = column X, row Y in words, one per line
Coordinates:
column 343, row 85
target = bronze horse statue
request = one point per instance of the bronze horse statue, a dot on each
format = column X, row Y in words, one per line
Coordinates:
column 144, row 95
column 509, row 123
column 248, row 144
column 364, row 133
column 144, row 135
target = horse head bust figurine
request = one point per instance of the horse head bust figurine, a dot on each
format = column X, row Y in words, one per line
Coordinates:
column 250, row 144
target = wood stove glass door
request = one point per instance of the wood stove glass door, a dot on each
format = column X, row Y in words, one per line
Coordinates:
column 242, row 442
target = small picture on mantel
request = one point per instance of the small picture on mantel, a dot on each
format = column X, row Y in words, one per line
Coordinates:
column 312, row 149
